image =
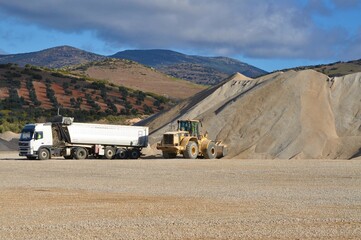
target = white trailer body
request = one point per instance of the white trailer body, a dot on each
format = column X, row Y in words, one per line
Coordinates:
column 79, row 140
column 118, row 135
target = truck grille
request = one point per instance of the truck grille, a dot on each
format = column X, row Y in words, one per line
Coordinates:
column 168, row 139
column 23, row 144
column 24, row 148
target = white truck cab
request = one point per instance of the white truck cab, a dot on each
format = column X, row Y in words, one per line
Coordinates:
column 34, row 137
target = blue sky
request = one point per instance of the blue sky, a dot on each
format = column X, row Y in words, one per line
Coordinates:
column 273, row 34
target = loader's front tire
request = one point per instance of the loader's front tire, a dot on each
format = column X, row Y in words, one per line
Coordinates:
column 191, row 150
column 210, row 152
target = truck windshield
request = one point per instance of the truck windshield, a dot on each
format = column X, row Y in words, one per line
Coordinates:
column 26, row 134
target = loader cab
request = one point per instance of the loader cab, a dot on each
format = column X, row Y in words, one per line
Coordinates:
column 191, row 126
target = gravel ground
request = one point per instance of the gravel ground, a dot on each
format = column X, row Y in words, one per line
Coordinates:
column 179, row 199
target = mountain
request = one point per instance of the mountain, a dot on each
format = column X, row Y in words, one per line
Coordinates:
column 303, row 114
column 137, row 76
column 56, row 57
column 198, row 69
column 336, row 69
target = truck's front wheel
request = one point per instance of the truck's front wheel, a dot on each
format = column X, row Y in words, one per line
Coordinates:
column 80, row 153
column 43, row 154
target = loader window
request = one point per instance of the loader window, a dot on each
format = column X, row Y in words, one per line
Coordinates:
column 189, row 126
column 184, row 126
column 194, row 130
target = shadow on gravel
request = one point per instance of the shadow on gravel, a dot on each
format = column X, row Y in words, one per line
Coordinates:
column 4, row 156
column 16, row 159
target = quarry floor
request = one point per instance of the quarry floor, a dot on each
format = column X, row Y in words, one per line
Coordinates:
column 179, row 199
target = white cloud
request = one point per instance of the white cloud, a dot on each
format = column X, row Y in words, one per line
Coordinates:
column 234, row 27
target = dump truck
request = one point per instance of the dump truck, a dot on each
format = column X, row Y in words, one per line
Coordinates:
column 189, row 142
column 63, row 137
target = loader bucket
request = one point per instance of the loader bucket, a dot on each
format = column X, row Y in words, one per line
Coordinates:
column 221, row 149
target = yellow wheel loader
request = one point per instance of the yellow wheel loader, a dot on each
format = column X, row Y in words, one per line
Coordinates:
column 188, row 141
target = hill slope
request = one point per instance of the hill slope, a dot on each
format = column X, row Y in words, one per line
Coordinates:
column 281, row 115
column 53, row 57
column 29, row 93
column 204, row 70
column 136, row 76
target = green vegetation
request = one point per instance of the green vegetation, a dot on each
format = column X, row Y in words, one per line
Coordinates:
column 87, row 100
column 51, row 95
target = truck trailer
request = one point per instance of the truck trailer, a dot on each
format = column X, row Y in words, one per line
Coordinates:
column 81, row 140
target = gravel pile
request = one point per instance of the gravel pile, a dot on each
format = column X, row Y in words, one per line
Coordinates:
column 301, row 114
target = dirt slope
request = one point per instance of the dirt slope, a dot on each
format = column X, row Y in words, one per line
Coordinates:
column 136, row 76
column 302, row 114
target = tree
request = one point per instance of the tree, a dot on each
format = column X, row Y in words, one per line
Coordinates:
column 124, row 92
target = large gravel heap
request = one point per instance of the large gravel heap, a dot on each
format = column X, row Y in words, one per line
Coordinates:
column 302, row 114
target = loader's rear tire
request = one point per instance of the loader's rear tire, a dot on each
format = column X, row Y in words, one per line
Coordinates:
column 210, row 152
column 191, row 150
column 80, row 153
column 43, row 154
column 167, row 155
column 109, row 152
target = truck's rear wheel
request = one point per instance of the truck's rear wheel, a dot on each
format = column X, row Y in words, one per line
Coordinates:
column 134, row 154
column 210, row 152
column 122, row 153
column 169, row 155
column 80, row 153
column 109, row 152
column 43, row 154
column 191, row 150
